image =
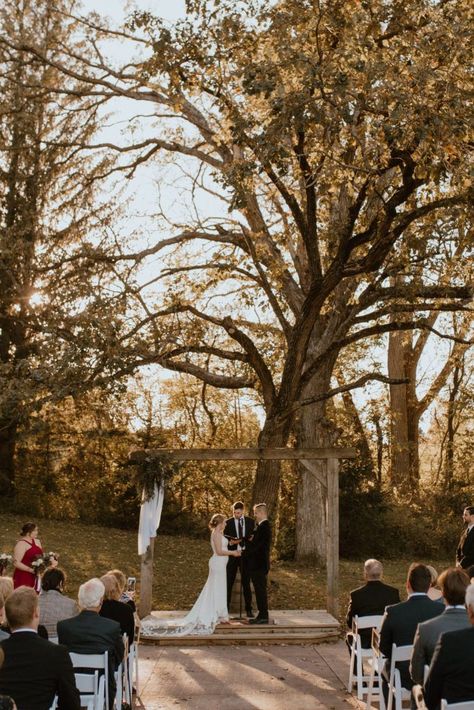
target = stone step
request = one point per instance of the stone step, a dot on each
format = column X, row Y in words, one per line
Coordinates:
column 285, row 627
column 274, row 629
column 254, row 639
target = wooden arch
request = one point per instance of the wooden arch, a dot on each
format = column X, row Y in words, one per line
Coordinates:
column 330, row 483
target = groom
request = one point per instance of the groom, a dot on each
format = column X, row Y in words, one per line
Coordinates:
column 257, row 558
column 237, row 529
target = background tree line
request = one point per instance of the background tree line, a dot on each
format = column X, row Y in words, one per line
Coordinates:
column 332, row 143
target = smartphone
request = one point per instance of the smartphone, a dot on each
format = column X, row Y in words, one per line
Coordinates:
column 131, row 584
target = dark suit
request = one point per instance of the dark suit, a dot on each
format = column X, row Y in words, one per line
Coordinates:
column 427, row 636
column 90, row 633
column 465, row 551
column 257, row 556
column 233, row 563
column 399, row 626
column 34, row 670
column 123, row 613
column 451, row 673
column 369, row 600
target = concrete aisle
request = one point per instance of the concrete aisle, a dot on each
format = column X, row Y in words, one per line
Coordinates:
column 245, row 678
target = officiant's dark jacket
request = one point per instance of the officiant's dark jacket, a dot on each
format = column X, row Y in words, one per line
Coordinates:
column 257, row 551
column 399, row 626
column 465, row 551
column 368, row 600
column 230, row 531
column 452, row 669
column 33, row 671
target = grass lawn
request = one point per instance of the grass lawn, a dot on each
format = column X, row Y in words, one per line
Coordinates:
column 181, row 564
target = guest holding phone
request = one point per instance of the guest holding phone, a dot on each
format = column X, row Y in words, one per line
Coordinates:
column 113, row 608
column 127, row 588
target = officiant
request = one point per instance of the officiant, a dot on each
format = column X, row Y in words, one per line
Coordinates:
column 237, row 529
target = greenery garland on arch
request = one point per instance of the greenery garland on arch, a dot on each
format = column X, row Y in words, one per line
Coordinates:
column 155, row 470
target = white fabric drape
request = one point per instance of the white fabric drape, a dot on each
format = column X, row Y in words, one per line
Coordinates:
column 150, row 516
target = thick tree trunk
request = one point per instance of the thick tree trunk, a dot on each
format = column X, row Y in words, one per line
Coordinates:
column 361, row 440
column 267, row 478
column 451, row 429
column 8, row 439
column 313, row 429
column 379, row 433
column 399, row 346
column 404, row 414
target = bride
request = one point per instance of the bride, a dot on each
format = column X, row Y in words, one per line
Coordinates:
column 211, row 605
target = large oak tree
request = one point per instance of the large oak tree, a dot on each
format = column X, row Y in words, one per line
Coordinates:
column 336, row 133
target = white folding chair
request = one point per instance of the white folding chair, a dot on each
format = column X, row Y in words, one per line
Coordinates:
column 395, row 689
column 94, row 661
column 55, row 703
column 127, row 688
column 376, row 664
column 92, row 691
column 133, row 664
column 358, row 653
column 119, row 675
column 467, row 705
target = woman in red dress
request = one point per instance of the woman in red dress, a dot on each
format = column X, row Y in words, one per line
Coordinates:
column 26, row 549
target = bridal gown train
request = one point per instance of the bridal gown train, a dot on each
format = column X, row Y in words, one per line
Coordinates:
column 209, row 608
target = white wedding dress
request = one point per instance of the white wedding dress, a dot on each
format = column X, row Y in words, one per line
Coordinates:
column 209, row 609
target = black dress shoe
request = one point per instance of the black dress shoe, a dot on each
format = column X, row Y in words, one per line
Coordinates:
column 258, row 621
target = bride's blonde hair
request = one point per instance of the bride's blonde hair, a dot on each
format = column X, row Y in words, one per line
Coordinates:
column 216, row 520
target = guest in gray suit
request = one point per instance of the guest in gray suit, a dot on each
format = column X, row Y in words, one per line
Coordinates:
column 54, row 605
column 3, row 634
column 453, row 583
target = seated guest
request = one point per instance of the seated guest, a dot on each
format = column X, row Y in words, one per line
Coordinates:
column 3, row 634
column 54, row 606
column 7, row 703
column 90, row 633
column 370, row 599
column 451, row 675
column 32, row 670
column 112, row 608
column 434, row 591
column 401, row 620
column 125, row 596
column 454, row 583
column 6, row 587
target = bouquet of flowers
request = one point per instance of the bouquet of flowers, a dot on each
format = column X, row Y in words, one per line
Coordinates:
column 41, row 562
column 38, row 564
column 49, row 558
column 5, row 560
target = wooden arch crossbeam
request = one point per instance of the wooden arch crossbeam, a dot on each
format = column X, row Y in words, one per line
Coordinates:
column 329, row 481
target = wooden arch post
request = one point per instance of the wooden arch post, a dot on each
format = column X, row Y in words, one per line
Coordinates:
column 331, row 456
